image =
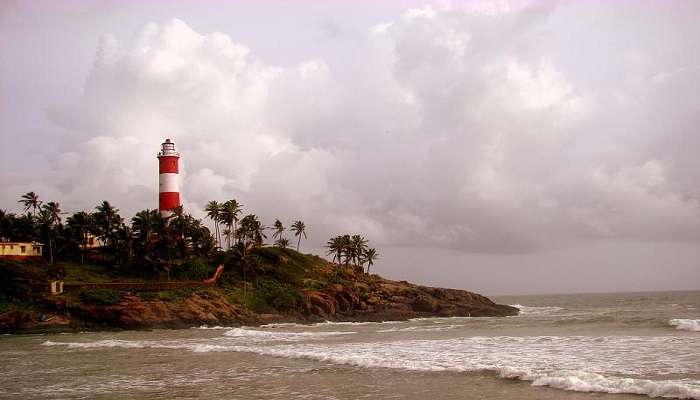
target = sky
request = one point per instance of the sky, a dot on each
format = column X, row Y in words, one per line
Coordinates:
column 506, row 147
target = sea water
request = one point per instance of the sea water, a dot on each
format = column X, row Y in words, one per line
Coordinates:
column 614, row 345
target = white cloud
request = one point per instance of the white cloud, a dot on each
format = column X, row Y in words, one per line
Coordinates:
column 450, row 127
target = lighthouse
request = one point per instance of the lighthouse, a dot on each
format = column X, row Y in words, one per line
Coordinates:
column 169, row 178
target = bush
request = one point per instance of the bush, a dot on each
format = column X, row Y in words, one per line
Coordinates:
column 285, row 265
column 22, row 280
column 270, row 294
column 4, row 305
column 195, row 269
column 176, row 294
column 103, row 297
column 148, row 296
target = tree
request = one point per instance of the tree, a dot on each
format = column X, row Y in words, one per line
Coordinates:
column 299, row 229
column 279, row 230
column 282, row 242
column 251, row 231
column 49, row 219
column 144, row 225
column 356, row 248
column 335, row 248
column 54, row 209
column 13, row 228
column 369, row 256
column 107, row 221
column 81, row 225
column 229, row 216
column 31, row 201
column 214, row 211
column 124, row 247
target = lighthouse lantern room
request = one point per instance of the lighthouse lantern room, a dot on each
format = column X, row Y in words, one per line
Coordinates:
column 168, row 182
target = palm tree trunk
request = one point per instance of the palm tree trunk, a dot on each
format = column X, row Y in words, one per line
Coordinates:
column 298, row 242
column 50, row 250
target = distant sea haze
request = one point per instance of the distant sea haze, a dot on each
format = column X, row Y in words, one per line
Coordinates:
column 558, row 347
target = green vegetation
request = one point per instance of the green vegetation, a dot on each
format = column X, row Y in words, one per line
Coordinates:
column 271, row 295
column 195, row 269
column 99, row 246
column 351, row 249
column 102, row 297
column 173, row 295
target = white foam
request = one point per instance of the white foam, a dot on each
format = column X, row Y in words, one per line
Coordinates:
column 580, row 381
column 583, row 364
column 324, row 324
column 530, row 310
column 217, row 327
column 609, row 364
column 692, row 325
column 284, row 336
column 284, row 325
column 353, row 323
column 125, row 344
column 432, row 328
column 440, row 320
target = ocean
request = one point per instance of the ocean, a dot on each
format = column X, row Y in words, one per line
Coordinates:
column 617, row 346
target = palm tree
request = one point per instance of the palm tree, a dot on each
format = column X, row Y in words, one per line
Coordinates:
column 335, row 248
column 279, row 230
column 251, row 232
column 54, row 209
column 31, row 201
column 369, row 256
column 299, row 229
column 346, row 248
column 358, row 245
column 214, row 211
column 107, row 221
column 50, row 218
column 229, row 216
column 144, row 225
column 282, row 242
column 81, row 223
column 124, row 244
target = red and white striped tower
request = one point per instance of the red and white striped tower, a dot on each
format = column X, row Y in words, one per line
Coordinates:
column 169, row 179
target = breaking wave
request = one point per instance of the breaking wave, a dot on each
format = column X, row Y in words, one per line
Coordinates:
column 692, row 325
column 434, row 328
column 610, row 364
column 529, row 310
column 282, row 336
column 581, row 381
column 205, row 327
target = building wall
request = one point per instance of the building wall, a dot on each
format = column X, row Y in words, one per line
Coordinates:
column 20, row 249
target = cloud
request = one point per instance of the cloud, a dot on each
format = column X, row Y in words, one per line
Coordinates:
column 451, row 128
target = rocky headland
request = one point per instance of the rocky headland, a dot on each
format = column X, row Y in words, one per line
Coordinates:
column 324, row 292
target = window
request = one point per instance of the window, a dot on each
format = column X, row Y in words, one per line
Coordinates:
column 23, row 249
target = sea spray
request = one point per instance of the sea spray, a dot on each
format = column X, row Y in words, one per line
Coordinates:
column 692, row 325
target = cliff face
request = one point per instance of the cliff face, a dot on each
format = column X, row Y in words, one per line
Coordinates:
column 357, row 301
column 328, row 292
column 382, row 299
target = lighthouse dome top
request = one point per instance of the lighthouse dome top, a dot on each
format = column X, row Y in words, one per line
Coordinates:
column 167, row 148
